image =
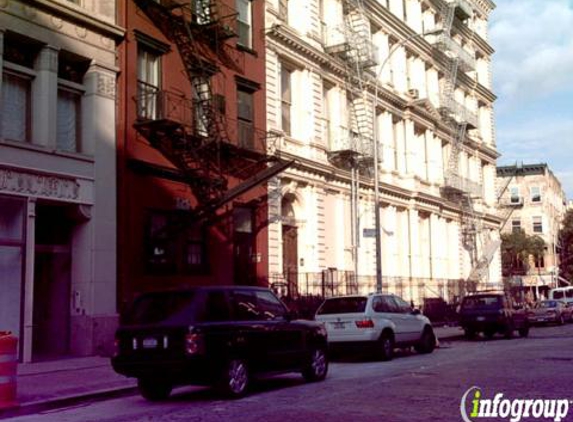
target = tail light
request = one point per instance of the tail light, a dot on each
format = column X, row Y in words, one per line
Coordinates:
column 365, row 323
column 193, row 343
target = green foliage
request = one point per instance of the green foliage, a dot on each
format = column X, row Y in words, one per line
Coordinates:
column 566, row 250
column 516, row 250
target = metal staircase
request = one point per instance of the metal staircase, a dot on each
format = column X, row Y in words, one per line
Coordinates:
column 460, row 119
column 193, row 134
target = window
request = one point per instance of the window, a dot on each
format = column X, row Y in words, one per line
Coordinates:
column 201, row 100
column 68, row 126
column 384, row 304
column 286, row 100
column 539, row 261
column 515, row 225
column 148, row 83
column 174, row 245
column 270, row 307
column 535, row 194
column 537, row 225
column 216, row 307
column 514, row 195
column 244, row 22
column 245, row 306
column 402, row 305
column 283, row 10
column 245, row 118
column 16, row 111
column 327, row 129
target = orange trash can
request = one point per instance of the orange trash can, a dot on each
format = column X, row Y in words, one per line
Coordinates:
column 8, row 367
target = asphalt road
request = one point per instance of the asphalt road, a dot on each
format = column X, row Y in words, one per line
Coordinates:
column 410, row 388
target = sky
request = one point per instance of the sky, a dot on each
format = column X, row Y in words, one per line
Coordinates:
column 533, row 80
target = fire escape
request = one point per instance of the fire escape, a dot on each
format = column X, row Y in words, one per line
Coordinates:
column 474, row 238
column 352, row 147
column 193, row 133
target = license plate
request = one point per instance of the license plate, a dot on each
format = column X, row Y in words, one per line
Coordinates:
column 480, row 318
column 149, row 343
column 338, row 325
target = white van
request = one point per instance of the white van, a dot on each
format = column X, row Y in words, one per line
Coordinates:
column 562, row 293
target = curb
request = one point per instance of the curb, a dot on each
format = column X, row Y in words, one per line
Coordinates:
column 66, row 401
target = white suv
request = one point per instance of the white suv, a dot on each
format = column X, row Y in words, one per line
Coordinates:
column 378, row 321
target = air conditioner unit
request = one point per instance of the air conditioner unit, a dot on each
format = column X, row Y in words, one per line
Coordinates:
column 414, row 93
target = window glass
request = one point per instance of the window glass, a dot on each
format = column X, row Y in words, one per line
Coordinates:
column 244, row 22
column 269, row 306
column 383, row 304
column 15, row 106
column 67, row 135
column 216, row 307
column 148, row 83
column 286, row 100
column 515, row 225
column 245, row 118
column 537, row 225
column 161, row 307
column 343, row 305
column 402, row 305
column 245, row 306
column 535, row 194
column 514, row 192
column 477, row 302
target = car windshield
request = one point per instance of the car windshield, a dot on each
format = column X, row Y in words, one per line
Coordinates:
column 475, row 302
column 343, row 305
column 547, row 304
column 153, row 308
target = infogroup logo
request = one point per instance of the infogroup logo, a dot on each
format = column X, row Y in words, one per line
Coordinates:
column 474, row 406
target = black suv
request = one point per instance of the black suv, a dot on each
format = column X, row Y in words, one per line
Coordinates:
column 218, row 336
column 492, row 313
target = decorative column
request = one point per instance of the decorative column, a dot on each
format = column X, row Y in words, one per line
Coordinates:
column 45, row 98
column 30, row 245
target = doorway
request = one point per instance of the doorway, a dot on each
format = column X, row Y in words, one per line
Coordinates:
column 52, row 282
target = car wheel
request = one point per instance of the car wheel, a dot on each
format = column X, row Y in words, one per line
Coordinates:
column 524, row 331
column 469, row 333
column 154, row 389
column 386, row 346
column 234, row 379
column 317, row 366
column 427, row 343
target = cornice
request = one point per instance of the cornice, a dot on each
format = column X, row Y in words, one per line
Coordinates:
column 108, row 29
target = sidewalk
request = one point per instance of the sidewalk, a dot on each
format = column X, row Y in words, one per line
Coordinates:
column 50, row 384
column 45, row 385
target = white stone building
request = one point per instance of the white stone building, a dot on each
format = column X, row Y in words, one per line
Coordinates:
column 327, row 61
column 57, row 175
column 535, row 202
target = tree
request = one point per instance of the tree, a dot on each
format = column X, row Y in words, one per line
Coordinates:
column 566, row 244
column 517, row 251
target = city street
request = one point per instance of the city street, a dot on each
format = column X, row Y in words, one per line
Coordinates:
column 410, row 388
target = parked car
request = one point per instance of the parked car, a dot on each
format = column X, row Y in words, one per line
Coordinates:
column 564, row 294
column 546, row 311
column 220, row 336
column 378, row 322
column 491, row 313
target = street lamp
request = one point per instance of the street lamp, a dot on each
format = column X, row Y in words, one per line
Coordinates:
column 376, row 157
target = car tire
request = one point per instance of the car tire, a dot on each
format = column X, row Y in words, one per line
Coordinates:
column 317, row 365
column 235, row 378
column 427, row 342
column 386, row 346
column 154, row 389
column 524, row 331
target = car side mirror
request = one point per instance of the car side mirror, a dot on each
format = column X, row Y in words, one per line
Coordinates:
column 416, row 311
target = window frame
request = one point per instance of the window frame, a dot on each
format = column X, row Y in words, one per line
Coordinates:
column 245, row 124
column 27, row 75
column 537, row 224
column 535, row 198
column 286, row 99
column 248, row 23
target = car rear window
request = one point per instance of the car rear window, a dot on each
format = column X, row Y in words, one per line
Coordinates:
column 153, row 308
column 547, row 304
column 343, row 305
column 481, row 302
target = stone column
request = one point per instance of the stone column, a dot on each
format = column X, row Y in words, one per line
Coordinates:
column 410, row 154
column 45, row 98
column 99, row 139
column 30, row 244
